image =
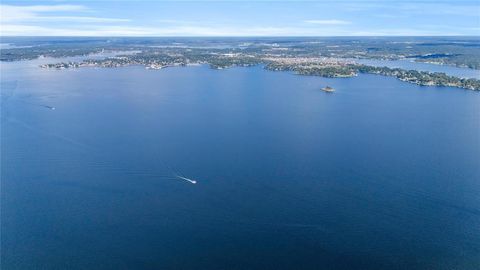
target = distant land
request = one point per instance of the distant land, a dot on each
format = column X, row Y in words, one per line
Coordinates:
column 327, row 57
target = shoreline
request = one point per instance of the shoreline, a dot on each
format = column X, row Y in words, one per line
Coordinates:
column 330, row 69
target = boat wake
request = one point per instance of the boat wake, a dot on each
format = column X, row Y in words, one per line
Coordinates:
column 180, row 176
column 48, row 107
column 186, row 179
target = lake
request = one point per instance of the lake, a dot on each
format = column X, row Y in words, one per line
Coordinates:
column 381, row 174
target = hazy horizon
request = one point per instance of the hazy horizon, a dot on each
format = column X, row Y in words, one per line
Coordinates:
column 478, row 36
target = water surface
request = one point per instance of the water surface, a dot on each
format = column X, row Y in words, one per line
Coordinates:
column 381, row 174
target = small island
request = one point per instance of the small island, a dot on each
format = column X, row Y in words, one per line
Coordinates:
column 328, row 89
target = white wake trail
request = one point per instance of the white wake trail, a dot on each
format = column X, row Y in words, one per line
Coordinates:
column 186, row 179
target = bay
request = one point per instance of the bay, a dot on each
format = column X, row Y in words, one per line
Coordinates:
column 381, row 174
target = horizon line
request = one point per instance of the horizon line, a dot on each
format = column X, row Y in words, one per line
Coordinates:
column 253, row 36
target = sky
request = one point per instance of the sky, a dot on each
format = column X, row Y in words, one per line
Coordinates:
column 240, row 18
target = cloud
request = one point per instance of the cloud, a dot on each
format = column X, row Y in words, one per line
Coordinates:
column 75, row 19
column 328, row 22
column 192, row 31
column 47, row 8
column 182, row 30
column 31, row 30
column 43, row 13
column 170, row 21
column 11, row 13
column 412, row 8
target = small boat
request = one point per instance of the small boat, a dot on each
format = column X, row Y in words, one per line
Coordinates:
column 328, row 89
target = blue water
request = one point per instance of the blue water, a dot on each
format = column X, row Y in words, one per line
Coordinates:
column 381, row 174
